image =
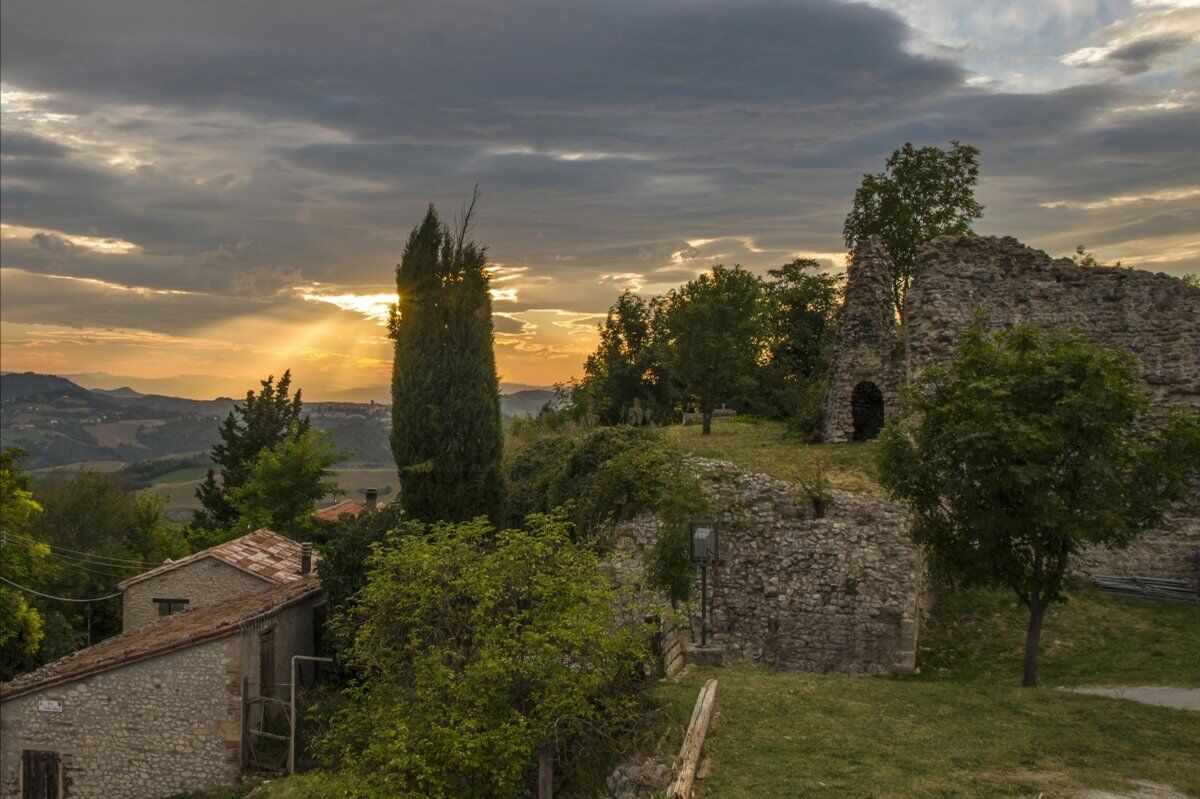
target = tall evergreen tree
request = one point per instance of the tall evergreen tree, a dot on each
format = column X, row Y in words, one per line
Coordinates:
column 446, row 433
column 262, row 421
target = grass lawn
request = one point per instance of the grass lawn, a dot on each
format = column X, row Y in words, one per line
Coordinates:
column 782, row 734
column 1093, row 639
column 963, row 727
column 765, row 446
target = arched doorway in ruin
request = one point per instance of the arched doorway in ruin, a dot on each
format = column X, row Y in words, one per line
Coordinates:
column 866, row 410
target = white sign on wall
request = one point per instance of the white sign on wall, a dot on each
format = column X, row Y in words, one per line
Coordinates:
column 49, row 706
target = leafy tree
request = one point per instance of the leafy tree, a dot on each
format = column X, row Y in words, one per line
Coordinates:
column 22, row 561
column 101, row 533
column 713, row 335
column 446, row 433
column 923, row 193
column 1025, row 449
column 1085, row 257
column 285, row 482
column 624, row 380
column 802, row 305
column 476, row 649
column 261, row 421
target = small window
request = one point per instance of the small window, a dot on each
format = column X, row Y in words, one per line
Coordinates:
column 266, row 663
column 168, row 606
column 39, row 774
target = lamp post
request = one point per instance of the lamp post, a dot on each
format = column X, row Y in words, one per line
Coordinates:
column 702, row 544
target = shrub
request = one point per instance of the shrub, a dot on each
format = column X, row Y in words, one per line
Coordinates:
column 476, row 648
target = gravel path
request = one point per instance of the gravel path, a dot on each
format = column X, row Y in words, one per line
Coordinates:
column 1141, row 790
column 1164, row 695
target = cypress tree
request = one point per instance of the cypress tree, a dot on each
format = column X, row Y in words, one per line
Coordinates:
column 446, row 433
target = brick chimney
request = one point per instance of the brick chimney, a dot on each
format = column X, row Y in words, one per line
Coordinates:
column 371, row 496
column 305, row 558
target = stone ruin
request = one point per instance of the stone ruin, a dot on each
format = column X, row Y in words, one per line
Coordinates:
column 957, row 279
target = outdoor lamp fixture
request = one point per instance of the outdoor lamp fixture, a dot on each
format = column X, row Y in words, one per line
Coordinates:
column 702, row 545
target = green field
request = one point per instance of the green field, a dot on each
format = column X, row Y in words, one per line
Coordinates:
column 181, row 494
column 765, row 446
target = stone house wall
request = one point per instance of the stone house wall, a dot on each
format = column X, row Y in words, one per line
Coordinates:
column 202, row 582
column 157, row 727
column 840, row 592
column 164, row 725
column 292, row 629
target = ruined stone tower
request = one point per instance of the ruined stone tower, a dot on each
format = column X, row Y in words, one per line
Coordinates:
column 868, row 361
column 1001, row 283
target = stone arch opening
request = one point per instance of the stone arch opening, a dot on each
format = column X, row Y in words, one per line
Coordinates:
column 866, row 410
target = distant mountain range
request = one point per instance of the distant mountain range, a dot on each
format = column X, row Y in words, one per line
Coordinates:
column 61, row 423
column 202, row 387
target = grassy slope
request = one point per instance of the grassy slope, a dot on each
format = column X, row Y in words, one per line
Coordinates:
column 764, row 446
column 969, row 730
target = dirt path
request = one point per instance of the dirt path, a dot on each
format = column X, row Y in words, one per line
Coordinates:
column 1141, row 790
column 1164, row 695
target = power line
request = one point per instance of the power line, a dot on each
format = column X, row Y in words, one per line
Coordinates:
column 59, row 598
column 87, row 557
column 93, row 556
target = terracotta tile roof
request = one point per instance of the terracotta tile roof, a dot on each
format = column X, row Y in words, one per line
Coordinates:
column 176, row 631
column 262, row 553
column 347, row 507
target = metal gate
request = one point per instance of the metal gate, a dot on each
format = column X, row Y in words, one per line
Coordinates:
column 266, row 724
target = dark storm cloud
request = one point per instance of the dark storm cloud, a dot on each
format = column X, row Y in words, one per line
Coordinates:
column 245, row 149
column 1140, row 55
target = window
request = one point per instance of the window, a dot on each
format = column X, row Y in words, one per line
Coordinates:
column 39, row 774
column 266, row 663
column 168, row 606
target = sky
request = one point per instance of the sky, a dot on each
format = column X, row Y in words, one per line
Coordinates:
column 201, row 194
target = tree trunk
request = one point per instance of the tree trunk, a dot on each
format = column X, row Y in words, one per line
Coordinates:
column 545, row 773
column 1037, row 614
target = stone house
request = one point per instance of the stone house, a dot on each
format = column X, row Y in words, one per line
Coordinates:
column 172, row 704
column 244, row 565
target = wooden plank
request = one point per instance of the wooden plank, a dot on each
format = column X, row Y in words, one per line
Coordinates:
column 693, row 741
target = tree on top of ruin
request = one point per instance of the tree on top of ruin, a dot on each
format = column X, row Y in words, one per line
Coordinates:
column 922, row 193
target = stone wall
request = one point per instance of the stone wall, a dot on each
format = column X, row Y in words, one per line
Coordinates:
column 154, row 728
column 1154, row 317
column 869, row 347
column 292, row 628
column 837, row 593
column 202, row 582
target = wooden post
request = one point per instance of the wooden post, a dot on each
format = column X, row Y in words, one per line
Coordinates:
column 546, row 773
column 693, row 740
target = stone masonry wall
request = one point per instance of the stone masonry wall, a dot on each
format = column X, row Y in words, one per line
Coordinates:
column 869, row 346
column 836, row 593
column 203, row 582
column 1154, row 317
column 162, row 726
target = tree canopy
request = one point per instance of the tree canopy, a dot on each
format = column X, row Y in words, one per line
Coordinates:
column 22, row 559
column 1024, row 450
column 476, row 648
column 625, row 380
column 285, row 483
column 714, row 331
column 446, row 432
column 921, row 194
column 261, row 421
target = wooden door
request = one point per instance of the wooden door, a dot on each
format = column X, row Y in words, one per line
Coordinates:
column 39, row 774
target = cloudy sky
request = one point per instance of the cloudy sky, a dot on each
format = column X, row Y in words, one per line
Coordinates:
column 221, row 189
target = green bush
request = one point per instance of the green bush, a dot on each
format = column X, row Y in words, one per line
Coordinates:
column 474, row 649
